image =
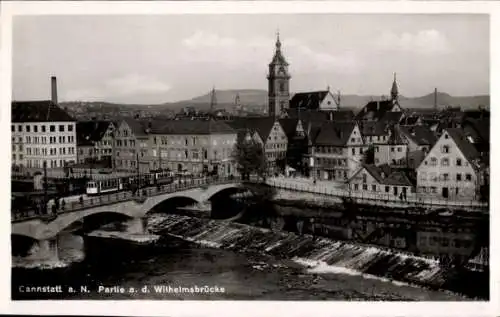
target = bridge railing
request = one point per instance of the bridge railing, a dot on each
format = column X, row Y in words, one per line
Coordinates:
column 101, row 200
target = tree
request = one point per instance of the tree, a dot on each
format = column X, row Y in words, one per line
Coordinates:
column 250, row 158
column 369, row 155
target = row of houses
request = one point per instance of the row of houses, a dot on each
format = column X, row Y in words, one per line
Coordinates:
column 382, row 149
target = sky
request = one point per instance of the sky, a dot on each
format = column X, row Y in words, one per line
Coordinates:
column 166, row 58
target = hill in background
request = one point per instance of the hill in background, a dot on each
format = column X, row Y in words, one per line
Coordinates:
column 256, row 100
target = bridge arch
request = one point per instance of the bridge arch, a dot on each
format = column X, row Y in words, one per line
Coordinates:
column 170, row 201
column 21, row 244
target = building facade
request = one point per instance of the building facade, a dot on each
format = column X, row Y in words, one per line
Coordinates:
column 382, row 182
column 130, row 148
column 336, row 151
column 451, row 169
column 95, row 141
column 41, row 133
column 196, row 147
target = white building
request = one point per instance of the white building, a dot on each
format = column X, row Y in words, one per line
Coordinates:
column 451, row 169
column 42, row 132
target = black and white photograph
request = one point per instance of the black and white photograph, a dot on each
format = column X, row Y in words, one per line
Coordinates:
column 250, row 157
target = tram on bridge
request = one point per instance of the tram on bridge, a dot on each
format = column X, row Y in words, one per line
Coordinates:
column 110, row 183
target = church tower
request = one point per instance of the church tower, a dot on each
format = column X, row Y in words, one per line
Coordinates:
column 279, row 83
column 394, row 91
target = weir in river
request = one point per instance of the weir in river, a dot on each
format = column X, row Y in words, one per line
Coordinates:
column 319, row 255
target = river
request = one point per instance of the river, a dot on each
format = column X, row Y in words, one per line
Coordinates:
column 235, row 262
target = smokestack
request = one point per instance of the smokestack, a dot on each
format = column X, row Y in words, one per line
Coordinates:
column 435, row 98
column 53, row 86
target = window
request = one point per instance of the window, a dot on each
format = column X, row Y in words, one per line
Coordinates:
column 392, row 149
column 356, row 186
column 28, row 128
column 61, row 128
column 376, row 149
column 12, row 128
column 52, row 128
column 459, row 177
column 459, row 162
column 433, row 161
column 445, row 162
column 186, row 142
column 446, row 135
column 374, row 188
column 70, row 127
column 423, row 176
column 399, row 149
column 365, row 187
column 282, row 87
column 445, row 149
column 446, row 177
column 468, row 177
column 387, row 189
column 19, row 128
column 364, row 178
column 353, row 140
column 353, row 151
column 35, row 128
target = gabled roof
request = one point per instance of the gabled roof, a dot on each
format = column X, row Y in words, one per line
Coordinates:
column 384, row 175
column 136, row 127
column 375, row 110
column 373, row 128
column 334, row 133
column 392, row 117
column 395, row 136
column 308, row 100
column 289, row 125
column 481, row 127
column 414, row 158
column 342, row 115
column 409, row 120
column 262, row 125
column 307, row 115
column 421, row 135
column 467, row 148
column 89, row 132
column 38, row 111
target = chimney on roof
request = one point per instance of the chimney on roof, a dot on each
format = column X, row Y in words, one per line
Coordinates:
column 53, row 86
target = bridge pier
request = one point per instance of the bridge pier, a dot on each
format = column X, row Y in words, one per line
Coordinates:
column 44, row 250
column 136, row 226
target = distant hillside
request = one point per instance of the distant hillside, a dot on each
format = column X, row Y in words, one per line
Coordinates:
column 254, row 97
column 255, row 100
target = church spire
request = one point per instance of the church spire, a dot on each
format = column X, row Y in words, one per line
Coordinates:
column 278, row 42
column 394, row 90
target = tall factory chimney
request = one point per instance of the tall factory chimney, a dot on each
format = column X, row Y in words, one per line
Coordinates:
column 53, row 86
column 435, row 99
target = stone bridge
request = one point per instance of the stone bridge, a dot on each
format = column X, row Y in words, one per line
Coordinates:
column 132, row 209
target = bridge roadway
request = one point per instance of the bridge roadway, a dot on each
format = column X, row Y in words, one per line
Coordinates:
column 132, row 206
